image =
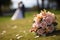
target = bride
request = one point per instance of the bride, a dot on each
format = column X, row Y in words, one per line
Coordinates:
column 18, row 13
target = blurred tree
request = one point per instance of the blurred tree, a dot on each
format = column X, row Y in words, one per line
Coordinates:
column 58, row 3
column 38, row 7
column 4, row 3
column 42, row 4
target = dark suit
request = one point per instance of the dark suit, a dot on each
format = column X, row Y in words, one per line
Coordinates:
column 22, row 8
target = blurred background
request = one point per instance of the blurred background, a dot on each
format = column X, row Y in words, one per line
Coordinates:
column 7, row 7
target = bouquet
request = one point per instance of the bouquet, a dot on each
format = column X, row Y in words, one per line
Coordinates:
column 44, row 22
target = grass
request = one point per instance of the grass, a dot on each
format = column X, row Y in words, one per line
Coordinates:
column 22, row 26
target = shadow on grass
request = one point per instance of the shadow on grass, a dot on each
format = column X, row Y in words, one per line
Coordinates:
column 57, row 32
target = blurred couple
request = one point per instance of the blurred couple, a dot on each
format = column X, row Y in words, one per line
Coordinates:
column 20, row 12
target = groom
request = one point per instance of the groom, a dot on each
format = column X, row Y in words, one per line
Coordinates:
column 22, row 8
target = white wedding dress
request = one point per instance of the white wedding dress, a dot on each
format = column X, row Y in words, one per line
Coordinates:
column 17, row 15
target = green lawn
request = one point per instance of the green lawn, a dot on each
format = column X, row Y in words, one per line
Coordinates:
column 10, row 29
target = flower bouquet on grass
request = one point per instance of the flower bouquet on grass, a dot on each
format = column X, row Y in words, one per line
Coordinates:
column 44, row 23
